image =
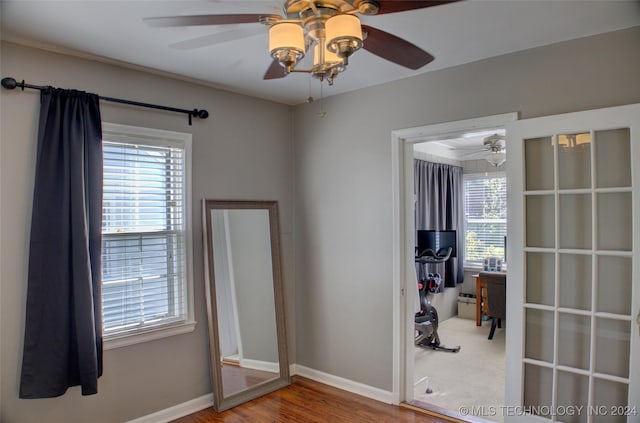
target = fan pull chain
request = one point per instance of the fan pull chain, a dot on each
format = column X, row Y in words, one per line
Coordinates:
column 321, row 113
column 310, row 98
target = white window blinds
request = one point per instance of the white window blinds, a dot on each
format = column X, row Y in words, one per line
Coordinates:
column 485, row 212
column 144, row 254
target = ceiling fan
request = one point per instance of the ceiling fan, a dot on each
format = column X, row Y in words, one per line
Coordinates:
column 330, row 30
column 494, row 146
column 492, row 149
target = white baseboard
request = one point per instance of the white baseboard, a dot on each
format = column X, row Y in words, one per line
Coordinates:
column 206, row 401
column 177, row 411
column 260, row 365
column 345, row 384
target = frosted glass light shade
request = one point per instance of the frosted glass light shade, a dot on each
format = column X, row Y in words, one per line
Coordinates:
column 286, row 36
column 329, row 56
column 497, row 158
column 341, row 29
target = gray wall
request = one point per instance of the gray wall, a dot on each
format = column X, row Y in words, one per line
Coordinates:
column 253, row 276
column 343, row 193
column 225, row 306
column 243, row 151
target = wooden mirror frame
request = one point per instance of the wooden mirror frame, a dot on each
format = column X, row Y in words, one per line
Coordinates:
column 221, row 402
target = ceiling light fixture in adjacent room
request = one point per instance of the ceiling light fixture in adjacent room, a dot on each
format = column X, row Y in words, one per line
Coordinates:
column 496, row 158
column 494, row 144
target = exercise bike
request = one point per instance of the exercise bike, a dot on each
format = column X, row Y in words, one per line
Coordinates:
column 426, row 319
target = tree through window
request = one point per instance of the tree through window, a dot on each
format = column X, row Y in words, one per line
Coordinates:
column 485, row 211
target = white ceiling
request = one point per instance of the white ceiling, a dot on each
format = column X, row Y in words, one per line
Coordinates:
column 460, row 146
column 455, row 33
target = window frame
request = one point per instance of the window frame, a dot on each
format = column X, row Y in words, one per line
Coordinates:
column 478, row 265
column 156, row 137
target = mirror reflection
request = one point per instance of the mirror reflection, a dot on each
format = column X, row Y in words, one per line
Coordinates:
column 244, row 300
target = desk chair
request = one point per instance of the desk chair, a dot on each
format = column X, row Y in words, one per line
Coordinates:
column 496, row 298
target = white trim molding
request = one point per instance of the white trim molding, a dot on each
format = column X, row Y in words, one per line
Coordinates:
column 344, row 384
column 177, row 411
column 206, row 401
column 404, row 296
column 266, row 366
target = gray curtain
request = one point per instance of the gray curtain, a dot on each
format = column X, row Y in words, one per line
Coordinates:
column 63, row 328
column 439, row 197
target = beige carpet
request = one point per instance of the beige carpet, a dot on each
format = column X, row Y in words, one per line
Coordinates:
column 471, row 379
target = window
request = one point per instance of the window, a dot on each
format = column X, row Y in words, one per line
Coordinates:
column 146, row 243
column 485, row 216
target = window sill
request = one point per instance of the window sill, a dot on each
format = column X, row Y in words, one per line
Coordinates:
column 472, row 268
column 478, row 269
column 149, row 335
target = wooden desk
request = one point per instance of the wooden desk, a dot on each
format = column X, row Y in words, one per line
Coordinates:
column 481, row 294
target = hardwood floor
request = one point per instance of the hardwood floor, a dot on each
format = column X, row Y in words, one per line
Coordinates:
column 236, row 378
column 307, row 401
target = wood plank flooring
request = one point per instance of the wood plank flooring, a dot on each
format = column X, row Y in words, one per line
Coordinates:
column 236, row 379
column 307, row 401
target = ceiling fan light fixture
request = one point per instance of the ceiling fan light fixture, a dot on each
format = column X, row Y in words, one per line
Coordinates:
column 332, row 24
column 368, row 7
column 496, row 158
column 286, row 43
column 324, row 56
column 343, row 34
column 326, row 64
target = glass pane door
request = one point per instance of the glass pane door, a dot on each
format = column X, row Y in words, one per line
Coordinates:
column 573, row 286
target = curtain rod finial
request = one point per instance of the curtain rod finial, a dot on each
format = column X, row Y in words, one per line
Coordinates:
column 9, row 83
column 202, row 114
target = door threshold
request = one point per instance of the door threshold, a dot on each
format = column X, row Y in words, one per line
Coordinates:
column 443, row 413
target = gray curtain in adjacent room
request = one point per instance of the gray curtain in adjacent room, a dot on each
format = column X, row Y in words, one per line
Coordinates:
column 63, row 328
column 439, row 197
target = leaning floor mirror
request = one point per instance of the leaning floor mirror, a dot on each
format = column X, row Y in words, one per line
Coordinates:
column 245, row 302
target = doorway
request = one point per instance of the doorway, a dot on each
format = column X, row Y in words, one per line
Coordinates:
column 404, row 273
column 471, row 380
column 573, row 304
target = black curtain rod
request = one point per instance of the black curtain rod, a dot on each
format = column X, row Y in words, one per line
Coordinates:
column 10, row 83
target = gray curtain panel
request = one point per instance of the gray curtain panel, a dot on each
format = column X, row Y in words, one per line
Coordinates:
column 63, row 328
column 439, row 198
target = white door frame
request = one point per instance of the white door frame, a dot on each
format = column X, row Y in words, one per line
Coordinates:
column 403, row 297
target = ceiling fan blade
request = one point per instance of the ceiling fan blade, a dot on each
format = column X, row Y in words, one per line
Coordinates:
column 475, row 149
column 219, row 38
column 199, row 20
column 275, row 71
column 393, row 6
column 395, row 49
column 475, row 153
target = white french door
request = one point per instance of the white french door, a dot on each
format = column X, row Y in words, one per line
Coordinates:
column 573, row 284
